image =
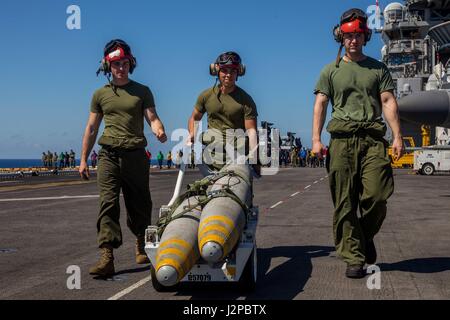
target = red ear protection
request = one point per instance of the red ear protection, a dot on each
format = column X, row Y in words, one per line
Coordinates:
column 116, row 50
column 355, row 26
column 352, row 21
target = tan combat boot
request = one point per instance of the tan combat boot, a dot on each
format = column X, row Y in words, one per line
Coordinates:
column 141, row 256
column 105, row 266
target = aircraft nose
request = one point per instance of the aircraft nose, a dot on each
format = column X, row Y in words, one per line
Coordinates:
column 426, row 107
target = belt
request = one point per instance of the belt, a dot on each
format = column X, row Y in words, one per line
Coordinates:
column 118, row 150
column 359, row 133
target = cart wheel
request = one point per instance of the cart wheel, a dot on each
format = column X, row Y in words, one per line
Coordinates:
column 428, row 169
column 249, row 275
column 157, row 285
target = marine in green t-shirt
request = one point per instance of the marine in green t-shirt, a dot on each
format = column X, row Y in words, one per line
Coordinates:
column 228, row 108
column 122, row 162
column 123, row 113
column 360, row 175
column 354, row 89
column 226, row 111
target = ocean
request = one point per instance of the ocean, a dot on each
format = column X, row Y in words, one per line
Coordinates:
column 29, row 163
column 20, row 163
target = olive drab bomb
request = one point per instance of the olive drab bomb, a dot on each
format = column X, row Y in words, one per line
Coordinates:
column 203, row 225
column 223, row 218
column 178, row 251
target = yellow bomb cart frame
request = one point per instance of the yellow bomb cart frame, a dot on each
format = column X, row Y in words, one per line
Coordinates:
column 239, row 266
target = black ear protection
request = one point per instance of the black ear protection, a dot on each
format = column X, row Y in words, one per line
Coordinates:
column 231, row 58
column 105, row 65
column 337, row 34
column 214, row 69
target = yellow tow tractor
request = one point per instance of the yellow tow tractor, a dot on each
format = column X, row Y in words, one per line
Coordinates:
column 407, row 160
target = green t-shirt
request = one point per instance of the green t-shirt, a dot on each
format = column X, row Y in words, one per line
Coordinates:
column 354, row 89
column 230, row 112
column 123, row 113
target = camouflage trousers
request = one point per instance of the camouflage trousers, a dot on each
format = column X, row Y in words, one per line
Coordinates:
column 126, row 170
column 360, row 177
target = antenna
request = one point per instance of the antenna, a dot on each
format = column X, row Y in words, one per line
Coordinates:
column 378, row 17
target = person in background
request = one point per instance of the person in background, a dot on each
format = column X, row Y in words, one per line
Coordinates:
column 178, row 159
column 94, row 157
column 72, row 158
column 55, row 161
column 66, row 159
column 61, row 160
column 192, row 163
column 49, row 159
column 160, row 158
column 169, row 160
column 44, row 159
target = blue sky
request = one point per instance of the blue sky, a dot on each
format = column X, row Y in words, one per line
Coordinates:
column 49, row 71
